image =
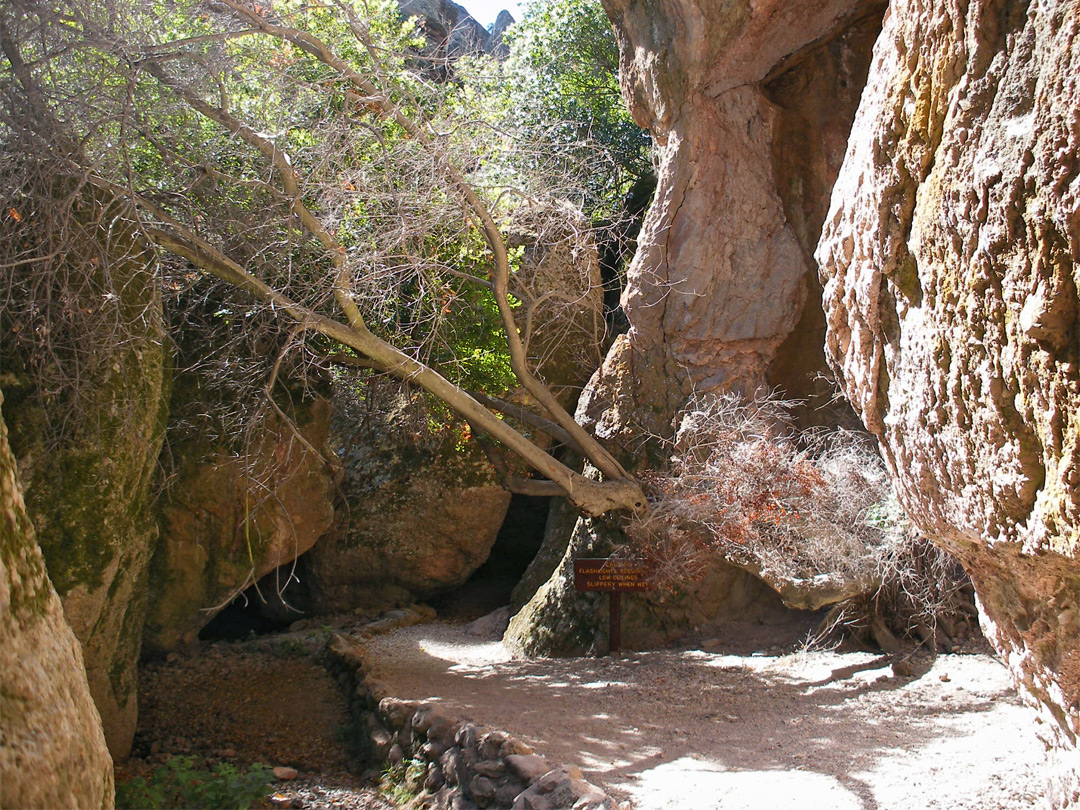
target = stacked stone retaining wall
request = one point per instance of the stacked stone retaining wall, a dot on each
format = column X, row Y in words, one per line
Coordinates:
column 446, row 762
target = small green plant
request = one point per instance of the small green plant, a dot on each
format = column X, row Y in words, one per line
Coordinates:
column 179, row 785
column 289, row 648
column 404, row 781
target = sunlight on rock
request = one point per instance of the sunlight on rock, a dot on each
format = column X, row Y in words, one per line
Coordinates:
column 666, row 786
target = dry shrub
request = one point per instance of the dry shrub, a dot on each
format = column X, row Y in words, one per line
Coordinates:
column 812, row 514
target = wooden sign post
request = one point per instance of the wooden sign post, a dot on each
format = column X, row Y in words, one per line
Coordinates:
column 613, row 577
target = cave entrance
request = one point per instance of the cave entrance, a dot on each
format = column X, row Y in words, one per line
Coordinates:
column 516, row 545
column 243, row 617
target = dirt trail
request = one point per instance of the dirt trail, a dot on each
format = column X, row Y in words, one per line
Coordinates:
column 689, row 729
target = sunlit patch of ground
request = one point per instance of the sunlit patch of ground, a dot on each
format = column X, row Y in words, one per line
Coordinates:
column 686, row 728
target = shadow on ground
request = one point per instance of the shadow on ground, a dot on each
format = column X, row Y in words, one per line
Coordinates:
column 685, row 728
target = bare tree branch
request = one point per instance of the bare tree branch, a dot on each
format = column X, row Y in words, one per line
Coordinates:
column 604, row 461
column 528, row 417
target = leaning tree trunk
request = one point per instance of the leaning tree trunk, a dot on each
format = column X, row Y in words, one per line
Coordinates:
column 950, row 261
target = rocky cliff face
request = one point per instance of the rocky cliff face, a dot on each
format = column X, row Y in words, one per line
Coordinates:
column 561, row 294
column 452, row 32
column 89, row 496
column 950, row 267
column 52, row 749
column 749, row 105
column 722, row 274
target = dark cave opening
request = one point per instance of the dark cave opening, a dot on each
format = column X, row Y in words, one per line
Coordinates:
column 516, row 545
column 270, row 608
column 244, row 616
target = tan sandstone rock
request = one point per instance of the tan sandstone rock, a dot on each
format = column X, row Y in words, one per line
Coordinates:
column 228, row 521
column 950, row 266
column 52, row 748
column 423, row 508
column 720, row 277
column 561, row 295
column 88, row 485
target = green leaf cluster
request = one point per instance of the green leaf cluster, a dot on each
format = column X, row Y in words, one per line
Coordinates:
column 179, row 785
column 560, row 85
column 547, row 123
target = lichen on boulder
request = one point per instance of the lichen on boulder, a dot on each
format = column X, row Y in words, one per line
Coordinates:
column 87, row 416
column 422, row 505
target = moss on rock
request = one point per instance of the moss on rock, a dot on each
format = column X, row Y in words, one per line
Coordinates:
column 88, row 461
column 42, row 680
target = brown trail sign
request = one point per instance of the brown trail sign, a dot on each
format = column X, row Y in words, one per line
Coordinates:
column 612, row 576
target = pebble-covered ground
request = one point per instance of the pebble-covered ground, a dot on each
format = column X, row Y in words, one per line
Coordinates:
column 263, row 701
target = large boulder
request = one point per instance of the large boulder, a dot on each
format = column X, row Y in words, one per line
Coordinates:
column 422, row 506
column 52, row 748
column 950, row 266
column 561, row 296
column 750, row 106
column 229, row 519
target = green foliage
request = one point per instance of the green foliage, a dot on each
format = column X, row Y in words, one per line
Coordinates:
column 180, row 785
column 404, row 781
column 561, row 85
column 144, row 86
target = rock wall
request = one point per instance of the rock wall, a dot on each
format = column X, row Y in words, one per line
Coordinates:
column 749, row 105
column 52, row 748
column 721, row 275
column 950, row 266
column 89, row 494
column 422, row 506
column 228, row 520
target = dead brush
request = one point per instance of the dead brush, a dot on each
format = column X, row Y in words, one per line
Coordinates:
column 812, row 514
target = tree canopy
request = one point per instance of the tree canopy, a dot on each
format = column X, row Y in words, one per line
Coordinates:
column 560, row 85
column 301, row 155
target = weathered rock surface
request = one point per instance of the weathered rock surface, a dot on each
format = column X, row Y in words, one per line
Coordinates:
column 561, row 295
column 90, row 497
column 52, row 748
column 750, row 106
column 228, row 520
column 950, row 266
column 451, row 30
column 720, row 276
column 423, row 507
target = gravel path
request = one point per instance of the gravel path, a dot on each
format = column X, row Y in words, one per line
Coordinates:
column 686, row 728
